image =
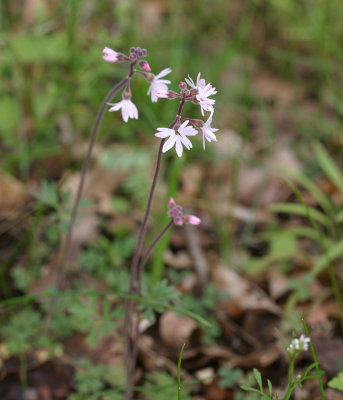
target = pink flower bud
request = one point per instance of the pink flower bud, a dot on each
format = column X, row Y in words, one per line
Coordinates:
column 145, row 66
column 176, row 213
column 191, row 219
column 110, row 55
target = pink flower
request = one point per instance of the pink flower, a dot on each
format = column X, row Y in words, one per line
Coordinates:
column 178, row 138
column 176, row 213
column 208, row 131
column 110, row 55
column 157, row 84
column 204, row 91
column 128, row 109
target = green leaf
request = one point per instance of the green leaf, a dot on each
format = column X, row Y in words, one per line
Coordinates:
column 337, row 382
column 258, row 378
column 329, row 167
column 334, row 252
column 300, row 209
column 313, row 189
column 249, row 389
column 229, row 376
column 9, row 119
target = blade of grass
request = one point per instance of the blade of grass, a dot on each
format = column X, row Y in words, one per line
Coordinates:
column 316, row 362
column 321, row 240
column 329, row 167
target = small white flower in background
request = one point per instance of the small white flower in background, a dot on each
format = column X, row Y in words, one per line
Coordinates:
column 110, row 55
column 177, row 138
column 157, row 84
column 298, row 345
column 128, row 109
column 176, row 213
column 204, row 91
column 208, row 131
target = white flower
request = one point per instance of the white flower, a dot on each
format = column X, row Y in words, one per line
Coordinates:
column 204, row 91
column 158, row 84
column 298, row 345
column 178, row 138
column 128, row 109
column 208, row 131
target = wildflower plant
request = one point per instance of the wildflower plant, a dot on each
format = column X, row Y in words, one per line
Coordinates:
column 295, row 347
column 177, row 134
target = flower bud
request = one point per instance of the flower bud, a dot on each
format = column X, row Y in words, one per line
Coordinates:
column 144, row 65
column 182, row 85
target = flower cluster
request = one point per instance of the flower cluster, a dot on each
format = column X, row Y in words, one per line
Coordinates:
column 298, row 345
column 175, row 212
column 198, row 93
column 127, row 107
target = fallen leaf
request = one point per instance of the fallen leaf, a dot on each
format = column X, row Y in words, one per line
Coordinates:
column 182, row 329
column 243, row 295
column 12, row 195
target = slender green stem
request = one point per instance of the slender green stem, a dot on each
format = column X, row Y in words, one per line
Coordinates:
column 319, row 376
column 179, row 373
column 23, row 370
column 290, row 379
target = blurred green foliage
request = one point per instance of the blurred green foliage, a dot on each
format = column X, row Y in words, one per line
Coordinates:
column 51, row 66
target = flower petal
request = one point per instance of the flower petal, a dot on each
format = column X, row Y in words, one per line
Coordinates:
column 169, row 143
column 178, row 146
column 164, row 132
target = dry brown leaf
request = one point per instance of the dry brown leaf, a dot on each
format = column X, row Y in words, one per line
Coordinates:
column 322, row 312
column 180, row 260
column 278, row 284
column 269, row 178
column 176, row 330
column 12, row 195
column 100, row 185
column 328, row 351
column 243, row 295
column 259, row 358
